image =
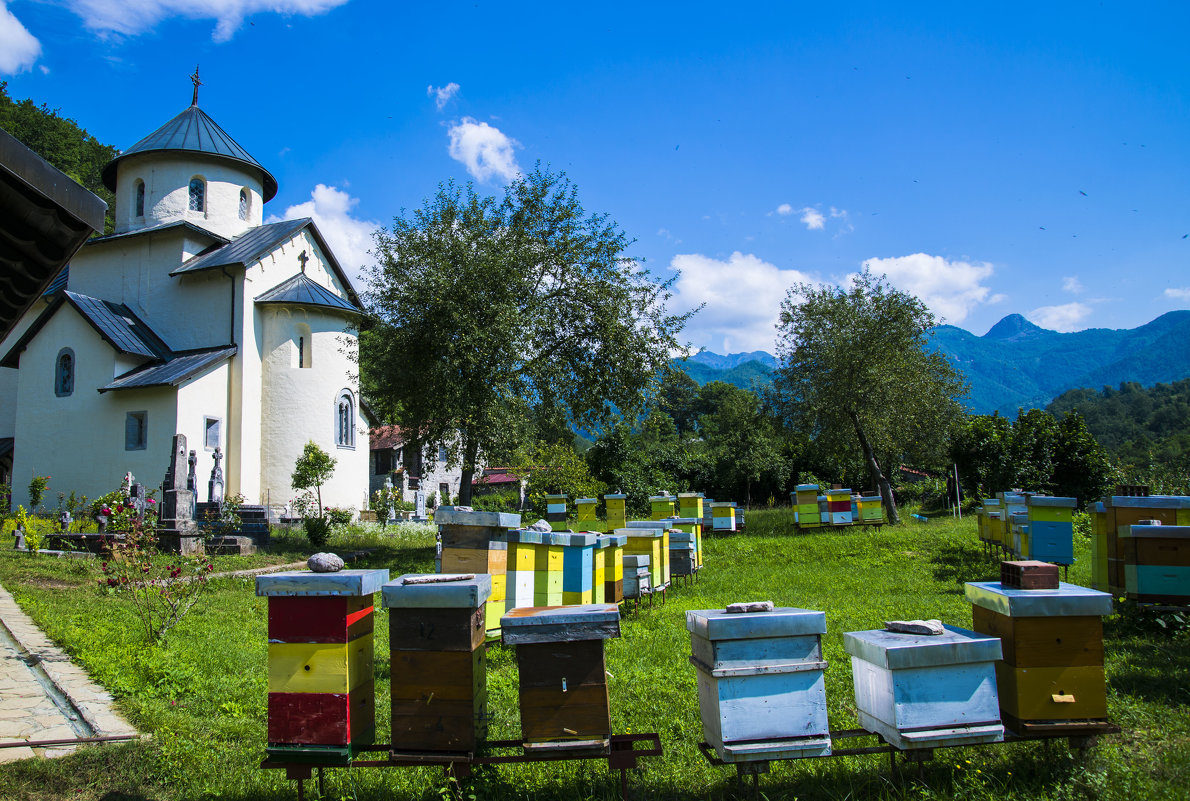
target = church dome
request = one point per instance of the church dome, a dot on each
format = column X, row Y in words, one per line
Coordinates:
column 194, row 132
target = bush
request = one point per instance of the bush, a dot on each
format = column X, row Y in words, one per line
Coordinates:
column 318, row 531
column 507, row 501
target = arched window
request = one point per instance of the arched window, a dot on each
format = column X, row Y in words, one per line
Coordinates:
column 140, row 199
column 245, row 203
column 64, row 373
column 198, row 194
column 345, row 419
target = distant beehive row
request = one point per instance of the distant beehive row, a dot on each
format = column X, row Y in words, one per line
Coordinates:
column 532, row 568
column 1029, row 525
column 837, row 507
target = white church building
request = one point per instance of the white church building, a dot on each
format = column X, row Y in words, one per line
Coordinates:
column 193, row 317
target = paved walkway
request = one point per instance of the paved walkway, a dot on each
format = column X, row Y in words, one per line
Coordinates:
column 44, row 696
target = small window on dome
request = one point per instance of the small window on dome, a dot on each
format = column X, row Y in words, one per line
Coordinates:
column 198, row 194
column 245, row 203
column 140, row 198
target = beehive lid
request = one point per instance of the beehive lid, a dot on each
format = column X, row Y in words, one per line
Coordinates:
column 830, row 492
column 558, row 497
column 1045, row 500
column 1067, row 600
column 1158, row 532
column 1099, row 508
column 450, row 516
column 586, row 500
column 893, row 651
column 681, row 536
column 1149, row 501
column 525, row 535
column 646, row 524
column 784, row 621
column 807, row 488
column 309, row 583
column 657, row 530
column 991, row 502
column 538, row 624
column 723, row 504
column 614, row 497
column 462, row 593
column 689, row 494
column 683, row 521
column 613, row 540
column 636, row 560
column 583, row 540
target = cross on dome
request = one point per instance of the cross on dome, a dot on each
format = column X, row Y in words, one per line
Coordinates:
column 194, row 79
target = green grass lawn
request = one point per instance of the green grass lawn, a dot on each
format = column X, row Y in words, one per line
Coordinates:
column 202, row 695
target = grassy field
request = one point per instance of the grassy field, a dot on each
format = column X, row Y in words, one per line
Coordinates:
column 202, row 696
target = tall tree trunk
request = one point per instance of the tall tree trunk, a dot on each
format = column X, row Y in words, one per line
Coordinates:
column 470, row 455
column 874, row 467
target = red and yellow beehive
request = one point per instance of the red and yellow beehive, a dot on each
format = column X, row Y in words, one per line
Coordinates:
column 321, row 704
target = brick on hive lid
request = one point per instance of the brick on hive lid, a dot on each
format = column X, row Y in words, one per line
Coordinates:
column 1029, row 575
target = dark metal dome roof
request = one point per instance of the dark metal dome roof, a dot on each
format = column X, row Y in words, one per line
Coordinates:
column 193, row 131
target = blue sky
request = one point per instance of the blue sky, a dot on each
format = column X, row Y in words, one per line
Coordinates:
column 990, row 158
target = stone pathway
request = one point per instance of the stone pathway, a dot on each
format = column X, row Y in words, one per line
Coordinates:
column 45, row 696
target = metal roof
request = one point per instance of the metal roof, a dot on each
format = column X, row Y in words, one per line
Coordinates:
column 178, row 369
column 152, row 229
column 45, row 217
column 302, row 290
column 118, row 325
column 59, row 283
column 193, row 131
column 246, row 248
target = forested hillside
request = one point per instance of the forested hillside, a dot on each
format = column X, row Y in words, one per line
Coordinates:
column 1136, row 424
column 60, row 141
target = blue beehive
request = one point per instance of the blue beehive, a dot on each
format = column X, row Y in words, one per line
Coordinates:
column 578, row 567
column 761, row 689
column 926, row 691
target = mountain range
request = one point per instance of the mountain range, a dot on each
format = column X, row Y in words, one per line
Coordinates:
column 1017, row 364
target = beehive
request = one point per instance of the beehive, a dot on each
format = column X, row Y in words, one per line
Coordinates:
column 926, row 691
column 1051, row 529
column 708, row 518
column 616, row 507
column 806, row 506
column 438, row 671
column 1099, row 546
column 838, row 504
column 477, row 542
column 562, row 675
column 1052, row 640
column 555, row 511
column 662, row 506
column 612, row 547
column 1011, row 503
column 1156, row 563
column 1120, row 510
column 690, row 505
column 1020, row 534
column 681, row 553
column 586, row 518
column 578, row 567
column 870, row 509
column 547, row 570
column 693, row 527
column 321, row 702
column 522, row 561
column 761, row 691
column 637, row 575
column 723, row 516
column 650, row 538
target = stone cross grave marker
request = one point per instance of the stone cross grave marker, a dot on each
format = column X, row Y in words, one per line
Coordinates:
column 215, row 485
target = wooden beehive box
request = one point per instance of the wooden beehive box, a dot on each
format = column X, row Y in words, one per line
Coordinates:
column 578, row 567
column 547, row 571
column 805, row 505
column 838, row 504
column 661, row 506
column 522, row 560
column 1127, row 510
column 681, row 553
column 1029, row 575
column 562, row 675
column 639, row 531
column 723, row 516
column 1052, row 670
column 926, row 691
column 693, row 527
column 585, row 513
column 1156, row 563
column 616, row 506
column 555, row 511
column 1099, row 547
column 1020, row 534
column 612, row 546
column 870, row 508
column 437, row 662
column 1051, row 529
column 637, row 575
column 761, row 688
column 321, row 690
column 1011, row 503
column 690, row 505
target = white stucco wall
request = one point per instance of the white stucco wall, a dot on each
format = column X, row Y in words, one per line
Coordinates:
column 202, row 397
column 167, row 178
column 300, row 404
column 9, row 376
column 78, row 440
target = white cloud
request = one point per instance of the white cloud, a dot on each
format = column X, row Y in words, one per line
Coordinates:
column 1178, row 293
column 126, row 18
column 1060, row 318
column 485, row 151
column 813, row 219
column 785, row 209
column 1072, row 285
column 19, row 49
column 743, row 299
column 949, row 288
column 442, row 94
column 349, row 238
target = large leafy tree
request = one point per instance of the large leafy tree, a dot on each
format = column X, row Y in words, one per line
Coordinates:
column 857, row 372
column 489, row 314
column 743, row 440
